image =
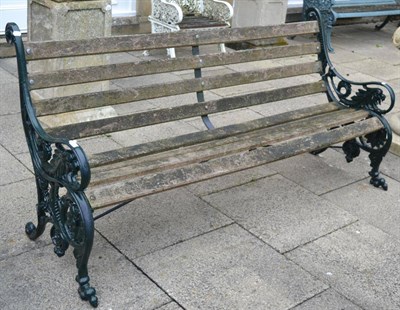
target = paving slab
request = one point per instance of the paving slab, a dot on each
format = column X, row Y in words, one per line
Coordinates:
column 170, row 306
column 229, row 269
column 98, row 144
column 328, row 300
column 10, row 65
column 25, row 159
column 179, row 100
column 40, row 280
column 314, row 174
column 374, row 205
column 6, row 77
column 158, row 221
column 9, row 94
column 146, row 80
column 231, row 180
column 12, row 134
column 360, row 166
column 359, row 261
column 18, row 204
column 11, row 169
column 376, row 68
column 280, row 212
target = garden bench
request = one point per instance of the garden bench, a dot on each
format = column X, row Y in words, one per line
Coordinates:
column 353, row 11
column 176, row 15
column 71, row 184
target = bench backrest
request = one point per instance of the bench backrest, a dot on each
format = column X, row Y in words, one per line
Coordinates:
column 131, row 76
column 362, row 2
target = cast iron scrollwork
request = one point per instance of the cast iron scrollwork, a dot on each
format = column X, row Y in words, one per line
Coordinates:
column 62, row 174
column 369, row 96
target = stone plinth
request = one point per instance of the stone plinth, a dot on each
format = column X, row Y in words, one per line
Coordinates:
column 259, row 12
column 249, row 13
column 65, row 20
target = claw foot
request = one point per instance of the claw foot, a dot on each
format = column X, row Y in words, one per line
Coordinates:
column 377, row 181
column 86, row 292
column 30, row 230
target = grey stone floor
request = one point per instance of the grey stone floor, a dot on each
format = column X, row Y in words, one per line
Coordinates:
column 304, row 233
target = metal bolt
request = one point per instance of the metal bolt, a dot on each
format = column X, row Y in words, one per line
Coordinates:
column 31, row 82
column 202, row 83
column 92, row 197
column 197, row 36
column 29, row 51
column 206, row 107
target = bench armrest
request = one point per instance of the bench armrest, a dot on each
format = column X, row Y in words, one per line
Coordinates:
column 218, row 10
column 56, row 160
column 166, row 12
column 369, row 96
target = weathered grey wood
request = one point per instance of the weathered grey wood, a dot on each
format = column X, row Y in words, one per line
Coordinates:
column 366, row 8
column 152, row 117
column 124, row 190
column 145, row 149
column 105, row 98
column 123, row 70
column 54, row 49
column 220, row 148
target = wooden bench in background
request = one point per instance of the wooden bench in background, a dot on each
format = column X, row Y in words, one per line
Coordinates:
column 71, row 184
column 353, row 11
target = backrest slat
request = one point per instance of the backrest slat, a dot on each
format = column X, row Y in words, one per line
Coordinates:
column 108, row 125
column 56, row 49
column 123, row 70
column 112, row 97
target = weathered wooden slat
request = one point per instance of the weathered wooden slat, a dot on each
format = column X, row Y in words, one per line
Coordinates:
column 54, row 49
column 366, row 8
column 220, row 148
column 130, row 121
column 164, row 145
column 105, row 98
column 108, row 194
column 123, row 70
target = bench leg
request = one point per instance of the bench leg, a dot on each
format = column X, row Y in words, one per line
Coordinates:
column 377, row 144
column 384, row 23
column 72, row 219
column 32, row 231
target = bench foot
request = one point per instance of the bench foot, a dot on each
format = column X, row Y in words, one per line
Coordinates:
column 383, row 24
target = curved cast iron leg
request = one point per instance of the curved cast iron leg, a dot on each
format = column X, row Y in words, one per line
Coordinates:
column 31, row 230
column 376, row 180
column 384, row 23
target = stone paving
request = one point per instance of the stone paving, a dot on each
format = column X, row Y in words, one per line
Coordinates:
column 305, row 233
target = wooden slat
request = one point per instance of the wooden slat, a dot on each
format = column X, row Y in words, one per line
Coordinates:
column 219, row 148
column 124, row 122
column 123, row 70
column 111, row 97
column 112, row 193
column 366, row 8
column 164, row 145
column 55, row 49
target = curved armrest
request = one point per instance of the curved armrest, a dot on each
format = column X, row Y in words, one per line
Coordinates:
column 55, row 159
column 218, row 10
column 166, row 12
column 369, row 96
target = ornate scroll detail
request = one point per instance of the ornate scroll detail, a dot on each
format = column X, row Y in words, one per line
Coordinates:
column 218, row 10
column 61, row 169
column 189, row 7
column 166, row 12
column 377, row 144
column 371, row 96
column 327, row 20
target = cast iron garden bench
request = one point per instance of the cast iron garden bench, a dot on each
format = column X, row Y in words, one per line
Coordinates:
column 352, row 11
column 70, row 184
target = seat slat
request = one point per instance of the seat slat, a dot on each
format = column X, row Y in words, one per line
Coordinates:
column 163, row 145
column 218, row 148
column 56, row 49
column 123, row 70
column 112, row 193
column 111, row 97
column 152, row 117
